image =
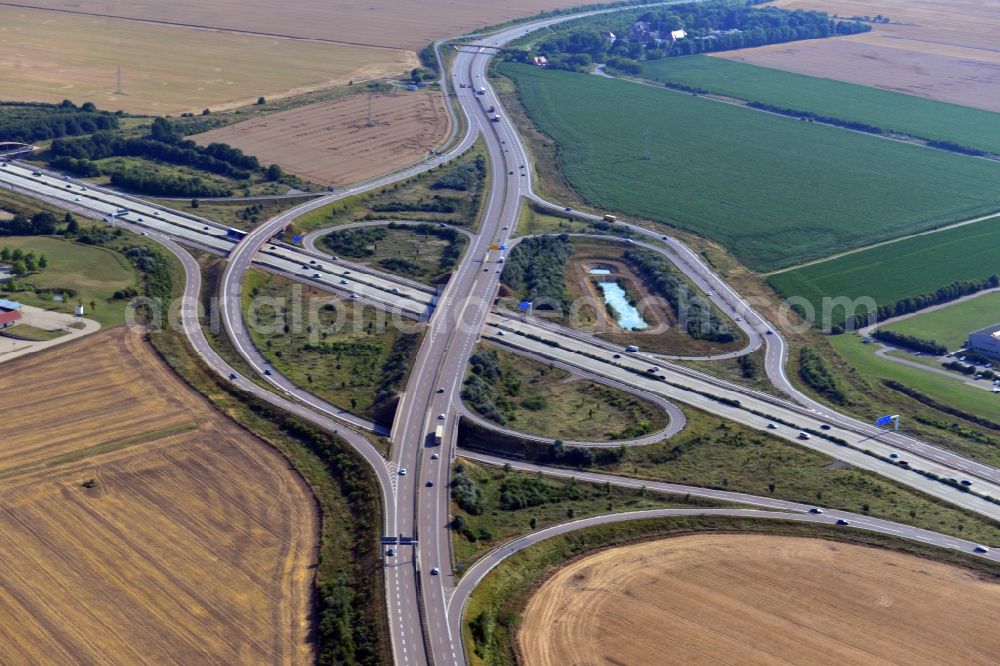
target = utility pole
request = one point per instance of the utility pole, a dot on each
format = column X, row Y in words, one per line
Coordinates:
column 118, row 87
column 370, row 123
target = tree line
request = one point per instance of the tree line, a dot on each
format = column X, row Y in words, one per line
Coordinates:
column 910, row 341
column 536, row 269
column 909, row 304
column 29, row 122
column 710, row 26
column 696, row 314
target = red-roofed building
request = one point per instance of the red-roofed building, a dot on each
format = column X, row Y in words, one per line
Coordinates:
column 8, row 318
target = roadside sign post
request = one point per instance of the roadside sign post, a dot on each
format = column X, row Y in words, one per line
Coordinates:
column 886, row 420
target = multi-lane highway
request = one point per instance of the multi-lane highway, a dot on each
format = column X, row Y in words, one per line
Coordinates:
column 423, row 600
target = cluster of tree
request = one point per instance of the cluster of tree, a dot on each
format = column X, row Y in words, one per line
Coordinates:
column 576, row 456
column 28, row 122
column 696, row 314
column 914, row 303
column 749, row 368
column 106, row 144
column 480, row 390
column 467, row 495
column 965, row 369
column 958, row 429
column 81, row 167
column 395, row 367
column 521, row 492
column 421, row 74
column 456, row 241
column 152, row 263
column 854, row 125
column 356, row 243
column 436, row 204
column 404, row 266
column 39, row 224
column 146, row 181
column 816, row 375
column 21, row 262
column 709, row 26
column 536, row 268
column 463, row 177
column 910, row 342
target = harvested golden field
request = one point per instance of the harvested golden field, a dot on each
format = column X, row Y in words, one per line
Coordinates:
column 752, row 600
column 331, row 142
column 153, row 529
column 391, row 23
column 944, row 51
column 52, row 56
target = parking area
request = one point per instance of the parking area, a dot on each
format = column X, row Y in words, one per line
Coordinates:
column 36, row 322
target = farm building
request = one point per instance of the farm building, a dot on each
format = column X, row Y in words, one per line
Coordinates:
column 985, row 341
column 541, row 61
column 8, row 318
column 9, row 305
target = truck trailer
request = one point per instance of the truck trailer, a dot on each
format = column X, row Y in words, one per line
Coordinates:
column 438, row 435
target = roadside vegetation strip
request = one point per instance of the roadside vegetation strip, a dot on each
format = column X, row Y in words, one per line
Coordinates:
column 891, row 112
column 491, row 505
column 524, row 394
column 708, row 158
column 899, row 271
column 350, row 612
column 493, row 613
column 717, row 454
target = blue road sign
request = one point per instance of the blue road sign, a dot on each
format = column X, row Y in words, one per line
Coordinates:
column 524, row 305
column 503, row 247
column 883, row 420
column 297, row 239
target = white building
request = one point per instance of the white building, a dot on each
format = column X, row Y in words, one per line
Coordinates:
column 985, row 341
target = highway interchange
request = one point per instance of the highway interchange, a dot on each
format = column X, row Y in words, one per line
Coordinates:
column 424, row 608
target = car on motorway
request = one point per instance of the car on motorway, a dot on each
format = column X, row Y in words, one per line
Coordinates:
column 904, row 463
column 267, row 372
column 391, row 552
column 343, row 281
column 316, row 275
column 501, row 333
column 434, row 456
column 966, row 482
column 981, row 549
column 824, row 426
column 430, row 484
column 510, row 173
column 841, row 521
column 441, row 417
column 568, row 209
column 440, row 389
column 402, row 471
column 893, row 455
column 771, row 426
column 499, row 270
column 770, row 332
column 335, row 257
column 617, row 356
column 663, row 238
column 816, row 510
column 353, row 295
column 232, row 375
column 803, row 435
column 435, row 571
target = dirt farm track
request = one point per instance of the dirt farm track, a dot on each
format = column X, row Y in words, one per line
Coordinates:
column 749, row 600
column 139, row 525
column 331, row 142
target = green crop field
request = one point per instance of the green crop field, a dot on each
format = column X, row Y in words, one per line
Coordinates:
column 898, row 270
column 773, row 190
column 951, row 325
column 916, row 116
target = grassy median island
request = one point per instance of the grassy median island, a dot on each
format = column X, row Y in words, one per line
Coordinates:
column 347, row 353
column 423, row 252
column 490, row 505
column 451, row 193
column 493, row 613
column 714, row 453
column 528, row 396
column 951, row 325
column 745, row 178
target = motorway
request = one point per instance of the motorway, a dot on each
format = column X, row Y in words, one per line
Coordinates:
column 423, row 606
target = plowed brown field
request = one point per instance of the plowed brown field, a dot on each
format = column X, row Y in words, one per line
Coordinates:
column 941, row 50
column 392, row 23
column 751, row 600
column 139, row 525
column 331, row 142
